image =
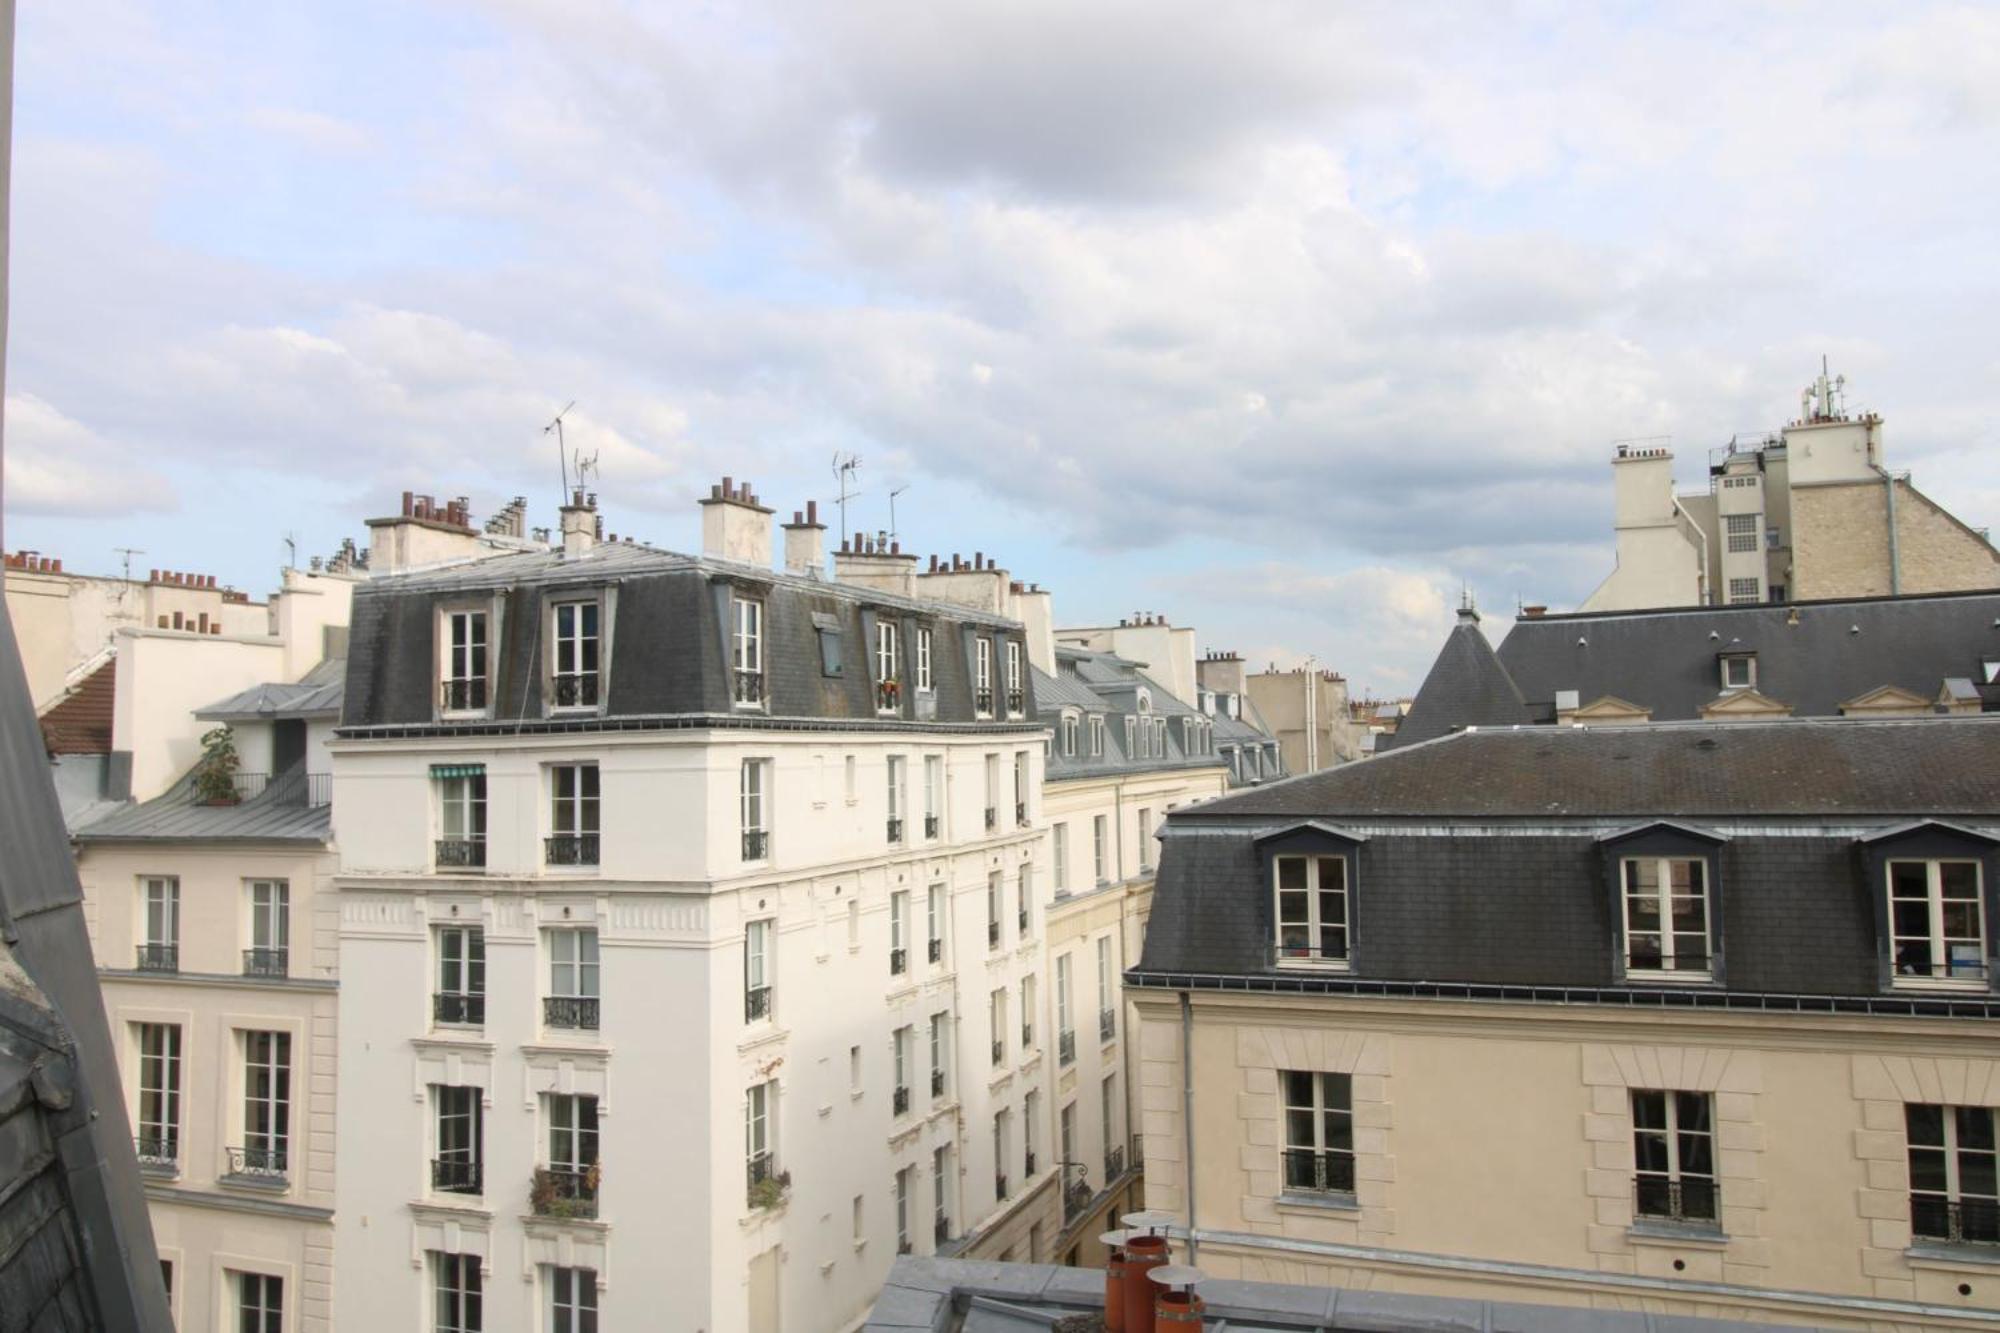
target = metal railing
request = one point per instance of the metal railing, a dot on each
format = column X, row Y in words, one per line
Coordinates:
column 458, row 1007
column 1910, row 964
column 158, row 1151
column 1021, row 814
column 1028, row 1162
column 992, row 934
column 992, row 817
column 1027, row 1036
column 999, row 1185
column 570, row 849
column 1021, row 919
column 899, row 1101
column 1935, row 1217
column 1066, row 1048
column 461, row 853
column 575, row 689
column 564, row 1191
column 463, row 696
column 570, row 1011
column 895, row 829
column 1076, row 1199
column 457, row 1175
column 1319, row 1172
column 999, row 1051
column 899, row 962
column 1114, row 1162
column 930, row 826
column 1107, row 1024
column 1017, row 702
column 159, row 958
column 937, row 1083
column 748, row 687
column 267, row 962
column 888, row 696
column 269, row 1162
column 765, row 1185
column 756, row 843
column 1311, row 953
column 941, row 1230
column 756, row 1003
column 937, row 950
column 296, row 787
column 982, row 700
column 1688, row 1199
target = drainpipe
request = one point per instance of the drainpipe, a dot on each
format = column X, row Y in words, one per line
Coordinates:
column 1895, row 558
column 1187, row 1113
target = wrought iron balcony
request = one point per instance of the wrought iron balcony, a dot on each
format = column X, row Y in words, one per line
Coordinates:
column 930, row 826
column 570, row 1011
column 999, row 1051
column 159, row 958
column 458, row 1007
column 999, row 1186
column 575, row 689
column 748, row 688
column 937, row 950
column 564, row 1191
column 461, row 853
column 937, row 1083
column 1027, row 1036
column 767, row 1186
column 1021, row 814
column 457, row 1175
column 570, row 849
column 899, row 1101
column 1017, row 702
column 1076, row 1197
column 895, row 829
column 756, row 844
column 982, row 700
column 158, row 1151
column 265, row 1161
column 1107, row 1024
column 992, row 818
column 992, row 934
column 1319, row 1172
column 941, row 1230
column 463, row 696
column 756, row 1003
column 1028, row 1162
column 1021, row 918
column 888, row 696
column 1114, row 1162
column 1688, row 1199
column 899, row 962
column 267, row 962
column 903, row 1245
column 1959, row 1221
column 1066, row 1048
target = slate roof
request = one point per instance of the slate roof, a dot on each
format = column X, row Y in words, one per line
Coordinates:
column 1909, row 766
column 1109, row 685
column 315, row 695
column 1813, row 656
column 80, row 723
column 279, row 813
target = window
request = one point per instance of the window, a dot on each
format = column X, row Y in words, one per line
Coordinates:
column 1114, row 1143
column 1031, row 1105
column 759, row 1152
column 888, row 679
column 933, row 794
column 1936, row 922
column 829, row 648
column 461, row 992
column 1954, row 1189
column 996, row 1022
column 575, row 675
column 267, row 1105
column 895, row 794
column 905, row 1188
column 1024, row 897
column 746, row 652
column 159, row 1119
column 459, row 1165
column 857, row 1228
column 1059, row 855
column 940, row 1051
column 464, row 662
column 992, row 789
column 1021, row 788
column 572, row 1300
column 899, row 932
column 1107, row 1001
column 1100, row 861
column 1739, row 671
column 567, row 1186
column 1065, row 1028
column 757, row 970
column 572, row 1001
column 751, row 789
column 993, row 909
column 1319, row 1132
column 1017, row 689
column 270, row 929
column 1312, row 909
column 1741, row 530
column 572, row 815
column 456, row 1281
column 940, row 1185
column 1131, row 738
column 1069, row 735
column 1145, row 840
column 1666, row 915
column 900, row 1044
column 1028, row 1012
column 982, row 677
column 1066, row 1132
column 1742, row 590
column 934, row 910
column 260, row 1302
column 999, row 1155
column 924, row 683
column 1097, row 735
column 1673, row 1153
column 161, row 951
column 461, row 792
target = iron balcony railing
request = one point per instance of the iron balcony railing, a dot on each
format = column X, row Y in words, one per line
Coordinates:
column 992, row 934
column 570, row 1011
column 895, row 829
column 570, row 849
column 461, row 853
column 756, row 1003
column 267, row 962
column 1302, row 950
column 564, row 1191
column 903, row 1245
column 899, row 962
column 937, row 1083
column 266, row 1161
column 992, row 817
column 1021, row 813
column 930, row 826
column 982, row 700
column 900, row 1101
column 1066, row 1048
column 1114, row 1162
column 297, row 787
column 1107, row 1024
column 756, row 842
column 457, row 1175
column 1960, row 1221
column 1017, row 702
column 888, row 696
column 1319, row 1172
column 749, row 687
column 1028, row 1162
column 1076, row 1198
column 1917, row 963
column 765, row 1185
column 999, row 1051
column 937, row 950
column 577, row 689
column 463, row 696
column 1027, row 1036
column 159, row 958
column 1688, row 1199
column 1021, row 919
column 458, row 1007
column 999, row 1185
column 160, row 1151
column 941, row 1230
column 1649, row 960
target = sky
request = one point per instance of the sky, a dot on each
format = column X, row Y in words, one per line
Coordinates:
column 1286, row 319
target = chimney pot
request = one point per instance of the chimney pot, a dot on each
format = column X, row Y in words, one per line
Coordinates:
column 797, row 518
column 715, row 492
column 409, row 504
column 728, row 488
column 812, row 511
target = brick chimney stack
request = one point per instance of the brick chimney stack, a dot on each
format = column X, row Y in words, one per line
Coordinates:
column 734, row 526
column 805, row 541
column 579, row 524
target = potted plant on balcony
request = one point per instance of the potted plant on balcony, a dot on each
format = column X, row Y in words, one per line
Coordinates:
column 215, row 775
column 769, row 1191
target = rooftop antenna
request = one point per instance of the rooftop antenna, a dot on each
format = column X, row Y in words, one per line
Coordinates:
column 562, row 450
column 291, row 550
column 128, row 552
column 893, row 533
column 585, row 468
column 845, row 466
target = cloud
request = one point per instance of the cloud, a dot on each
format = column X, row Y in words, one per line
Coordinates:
column 58, row 466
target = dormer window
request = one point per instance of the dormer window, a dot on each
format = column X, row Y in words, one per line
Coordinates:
column 1097, row 735
column 746, row 652
column 464, row 661
column 1311, row 909
column 1017, row 689
column 982, row 677
column 576, row 655
column 1666, row 915
column 888, row 684
column 1739, row 671
column 924, row 683
column 1069, row 735
column 1937, row 923
column 1131, row 737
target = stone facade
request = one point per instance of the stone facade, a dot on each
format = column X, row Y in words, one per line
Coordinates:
column 1840, row 540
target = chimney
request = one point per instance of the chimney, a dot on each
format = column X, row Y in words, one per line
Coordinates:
column 734, row 526
column 579, row 524
column 805, row 541
column 1534, row 612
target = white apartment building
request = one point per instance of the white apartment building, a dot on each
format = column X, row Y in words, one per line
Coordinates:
column 688, row 906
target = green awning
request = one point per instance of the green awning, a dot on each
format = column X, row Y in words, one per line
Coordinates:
column 458, row 770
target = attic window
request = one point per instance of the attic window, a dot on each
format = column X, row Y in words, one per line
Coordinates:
column 827, row 629
column 1739, row 671
column 1990, row 668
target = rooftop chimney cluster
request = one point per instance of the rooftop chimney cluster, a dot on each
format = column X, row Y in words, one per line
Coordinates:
column 728, row 490
column 33, row 563
column 511, row 521
column 173, row 579
column 957, row 564
column 1221, row 655
column 808, row 518
column 862, row 543
column 456, row 512
column 1142, row 619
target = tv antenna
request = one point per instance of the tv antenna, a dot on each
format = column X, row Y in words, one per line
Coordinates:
column 291, row 550
column 845, row 466
column 893, row 534
column 585, row 469
column 128, row 552
column 562, row 449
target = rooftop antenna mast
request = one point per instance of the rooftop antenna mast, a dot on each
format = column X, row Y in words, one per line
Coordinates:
column 562, row 449
column 291, row 550
column 845, row 466
column 894, row 535
column 128, row 552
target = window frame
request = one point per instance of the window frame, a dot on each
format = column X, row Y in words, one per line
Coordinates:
column 581, row 969
column 465, row 661
column 1663, row 893
column 583, row 645
column 1663, row 841
column 982, row 676
column 1931, row 842
column 259, row 1300
column 926, row 682
column 1327, row 1113
column 158, row 1088
column 469, row 987
column 566, row 1316
column 1939, row 943
column 267, row 1111
column 747, row 682
column 1952, row 1198
column 759, row 939
column 165, row 908
column 1313, row 954
column 753, row 797
column 1675, row 1139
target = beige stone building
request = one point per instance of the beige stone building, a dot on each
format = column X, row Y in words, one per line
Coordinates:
column 1692, row 1020
column 1809, row 513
